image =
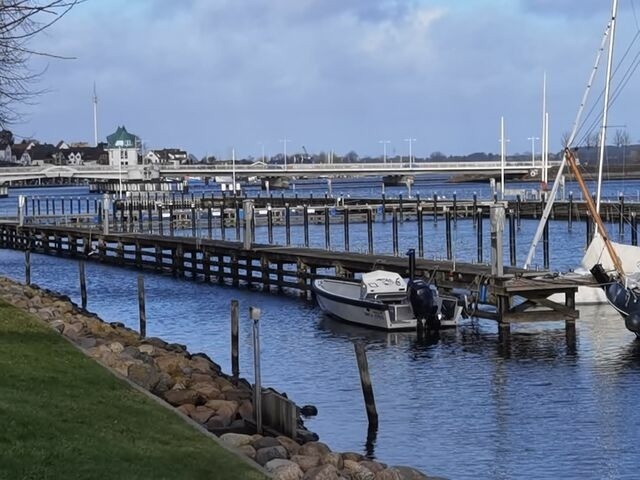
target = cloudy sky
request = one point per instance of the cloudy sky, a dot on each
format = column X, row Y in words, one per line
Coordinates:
column 209, row 75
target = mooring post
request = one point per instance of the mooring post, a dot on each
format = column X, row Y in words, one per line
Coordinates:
column 634, row 229
column 447, row 220
column 287, row 224
column 238, row 220
column 235, row 351
column 545, row 238
column 370, row 230
column 327, row 228
column 254, row 314
column 345, row 217
column 141, row 307
column 209, row 221
column 394, row 225
column 106, row 207
column 512, row 238
column 588, row 228
column 475, row 209
column 497, row 230
column 479, row 233
column 401, row 208
column 367, row 388
column 269, row 223
column 621, row 216
column 455, row 209
column 27, row 266
column 305, row 224
column 21, row 206
column 247, row 208
column 420, row 232
column 83, row 285
column 384, row 206
column 518, row 210
column 435, row 208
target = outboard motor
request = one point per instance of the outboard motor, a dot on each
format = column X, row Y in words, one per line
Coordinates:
column 600, row 275
column 422, row 297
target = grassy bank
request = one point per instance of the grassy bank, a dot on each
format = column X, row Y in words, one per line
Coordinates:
column 64, row 416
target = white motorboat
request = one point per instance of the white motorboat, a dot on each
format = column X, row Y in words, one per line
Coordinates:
column 380, row 300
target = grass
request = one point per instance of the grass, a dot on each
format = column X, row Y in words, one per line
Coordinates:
column 63, row 416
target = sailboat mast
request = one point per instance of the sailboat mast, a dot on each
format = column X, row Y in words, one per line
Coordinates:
column 603, row 134
column 571, row 161
column 95, row 115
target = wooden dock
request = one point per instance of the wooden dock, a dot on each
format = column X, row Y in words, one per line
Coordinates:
column 515, row 295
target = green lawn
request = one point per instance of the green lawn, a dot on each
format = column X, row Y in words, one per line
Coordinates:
column 63, row 416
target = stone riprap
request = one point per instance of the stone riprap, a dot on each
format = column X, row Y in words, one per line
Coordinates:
column 196, row 386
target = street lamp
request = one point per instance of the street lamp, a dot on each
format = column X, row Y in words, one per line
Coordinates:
column 384, row 148
column 503, row 157
column 284, row 141
column 410, row 140
column 533, row 148
column 233, row 170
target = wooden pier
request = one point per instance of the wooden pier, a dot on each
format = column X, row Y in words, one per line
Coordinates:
column 507, row 295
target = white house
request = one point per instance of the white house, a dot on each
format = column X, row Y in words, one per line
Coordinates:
column 123, row 148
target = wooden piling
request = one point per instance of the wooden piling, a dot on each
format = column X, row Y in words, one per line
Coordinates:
column 435, row 209
column 370, row 231
column 141, row 307
column 269, row 223
column 447, row 217
column 365, row 382
column 305, row 224
column 235, row 350
column 254, row 314
column 83, row 285
column 512, row 237
column 345, row 221
column 394, row 234
column 620, row 216
column 401, row 208
column 420, row 231
column 287, row 224
column 570, row 213
column 27, row 266
column 384, row 207
column 479, row 233
column 327, row 228
column 634, row 229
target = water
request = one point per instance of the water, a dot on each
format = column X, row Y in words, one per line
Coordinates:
column 463, row 407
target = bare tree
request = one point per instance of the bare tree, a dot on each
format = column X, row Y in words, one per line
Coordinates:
column 20, row 22
column 621, row 138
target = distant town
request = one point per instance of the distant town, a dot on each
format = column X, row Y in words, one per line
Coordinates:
column 123, row 149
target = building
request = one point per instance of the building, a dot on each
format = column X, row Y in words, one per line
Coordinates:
column 123, row 148
column 166, row 156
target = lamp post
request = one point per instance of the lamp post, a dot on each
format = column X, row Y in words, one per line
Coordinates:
column 503, row 157
column 384, row 149
column 533, row 148
column 233, row 170
column 410, row 140
column 284, row 142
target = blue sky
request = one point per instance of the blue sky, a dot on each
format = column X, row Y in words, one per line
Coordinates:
column 211, row 75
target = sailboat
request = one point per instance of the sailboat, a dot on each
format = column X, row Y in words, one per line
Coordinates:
column 597, row 252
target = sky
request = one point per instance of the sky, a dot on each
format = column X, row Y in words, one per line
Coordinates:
column 331, row 75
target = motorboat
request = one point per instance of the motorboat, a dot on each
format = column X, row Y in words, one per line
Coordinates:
column 384, row 300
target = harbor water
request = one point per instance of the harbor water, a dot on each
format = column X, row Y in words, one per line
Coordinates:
column 463, row 406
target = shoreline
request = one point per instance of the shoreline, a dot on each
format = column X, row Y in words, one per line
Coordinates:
column 197, row 387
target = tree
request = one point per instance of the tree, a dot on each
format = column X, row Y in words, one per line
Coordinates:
column 20, row 22
column 621, row 138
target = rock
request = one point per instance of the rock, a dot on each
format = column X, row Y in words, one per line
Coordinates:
column 57, row 325
column 306, row 462
column 237, row 395
column 180, row 397
column 248, row 450
column 264, row 455
column 198, row 377
column 356, row 457
column 208, row 390
column 224, row 406
column 200, row 365
column 291, row 445
column 73, row 330
column 334, row 459
column 245, row 410
column 372, row 466
column 265, row 442
column 317, row 449
column 86, row 342
column 309, row 411
column 176, row 347
column 171, row 363
column 282, row 469
column 165, row 383
column 388, row 474
column 144, row 375
column 155, row 341
column 235, row 439
column 116, row 347
column 357, row 471
column 146, row 348
column 323, row 472
column 187, row 408
column 202, row 414
column 217, row 421
column 304, row 436
column 408, row 473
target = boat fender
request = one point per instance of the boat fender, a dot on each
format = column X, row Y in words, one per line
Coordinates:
column 482, row 293
column 632, row 322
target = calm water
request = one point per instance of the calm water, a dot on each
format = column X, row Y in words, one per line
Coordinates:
column 463, row 407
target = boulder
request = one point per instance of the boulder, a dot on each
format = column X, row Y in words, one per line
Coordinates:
column 357, row 471
column 86, row 342
column 282, row 469
column 388, row 474
column 306, row 462
column 57, row 325
column 207, row 390
column 317, row 449
column 180, row 397
column 334, row 459
column 225, row 407
column 197, row 377
column 248, row 450
column 145, row 375
column 235, row 439
column 372, row 466
column 264, row 455
column 356, row 457
column 265, row 442
column 237, row 395
column 165, row 383
column 408, row 473
column 245, row 410
column 323, row 472
column 146, row 348
column 291, row 445
column 202, row 414
column 218, row 421
column 116, row 347
column 187, row 409
column 171, row 363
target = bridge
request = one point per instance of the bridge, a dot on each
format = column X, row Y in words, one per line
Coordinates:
column 262, row 170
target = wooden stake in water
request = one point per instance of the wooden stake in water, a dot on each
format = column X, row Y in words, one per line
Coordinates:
column 141, row 307
column 254, row 314
column 367, row 388
column 83, row 285
column 27, row 266
column 235, row 362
